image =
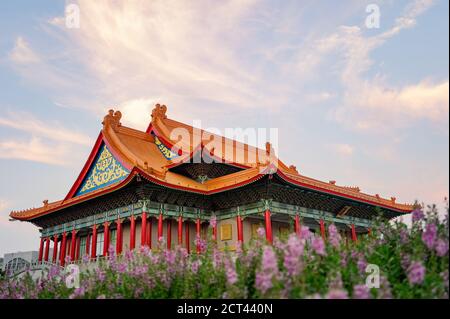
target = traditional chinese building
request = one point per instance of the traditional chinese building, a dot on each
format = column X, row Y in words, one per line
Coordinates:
column 138, row 187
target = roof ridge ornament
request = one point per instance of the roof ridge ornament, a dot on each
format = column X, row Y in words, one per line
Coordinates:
column 112, row 119
column 159, row 111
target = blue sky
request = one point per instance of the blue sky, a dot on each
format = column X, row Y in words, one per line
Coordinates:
column 364, row 107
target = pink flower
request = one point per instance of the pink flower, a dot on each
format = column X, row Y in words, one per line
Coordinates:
column 416, row 273
column 333, row 236
column 429, row 235
column 269, row 269
column 293, row 254
column 337, row 294
column 361, row 292
column 318, row 246
column 441, row 247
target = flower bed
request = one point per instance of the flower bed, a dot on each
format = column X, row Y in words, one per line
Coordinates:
column 412, row 263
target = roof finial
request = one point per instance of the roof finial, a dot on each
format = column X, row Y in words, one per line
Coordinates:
column 159, row 112
column 112, row 118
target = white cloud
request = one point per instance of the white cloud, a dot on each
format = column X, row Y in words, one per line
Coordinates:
column 136, row 113
column 343, row 149
column 53, row 131
column 35, row 150
column 22, row 53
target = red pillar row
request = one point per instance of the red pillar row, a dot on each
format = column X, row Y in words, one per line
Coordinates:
column 214, row 232
column 88, row 244
column 55, row 248
column 105, row 238
column 62, row 253
column 297, row 225
column 119, row 239
column 322, row 229
column 94, row 242
column 73, row 245
column 169, row 233
column 240, row 234
column 269, row 236
column 188, row 239
column 41, row 250
column 132, row 232
column 197, row 235
column 148, row 233
column 160, row 227
column 353, row 232
column 180, row 230
column 77, row 250
column 47, row 248
column 144, row 229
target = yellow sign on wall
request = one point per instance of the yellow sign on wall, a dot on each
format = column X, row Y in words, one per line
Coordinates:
column 226, row 232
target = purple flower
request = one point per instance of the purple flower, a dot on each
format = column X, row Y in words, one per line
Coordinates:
column 230, row 272
column 294, row 251
column 416, row 273
column 334, row 236
column 269, row 269
column 361, row 264
column 441, row 247
column 361, row 292
column 429, row 235
column 305, row 233
column 318, row 246
column 101, row 275
column 417, row 215
column 337, row 294
column 195, row 265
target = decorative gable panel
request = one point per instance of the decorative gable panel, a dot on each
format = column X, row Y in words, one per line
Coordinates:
column 105, row 170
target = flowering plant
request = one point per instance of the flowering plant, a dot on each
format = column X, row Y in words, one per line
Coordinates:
column 412, row 262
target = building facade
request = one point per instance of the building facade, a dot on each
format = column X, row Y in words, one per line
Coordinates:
column 14, row 262
column 176, row 183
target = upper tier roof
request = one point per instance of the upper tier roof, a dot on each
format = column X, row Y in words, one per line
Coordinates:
column 142, row 153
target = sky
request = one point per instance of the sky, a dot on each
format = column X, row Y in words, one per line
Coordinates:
column 365, row 106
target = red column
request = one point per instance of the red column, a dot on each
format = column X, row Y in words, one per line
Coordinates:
column 77, row 249
column 144, row 229
column 132, row 232
column 239, row 228
column 55, row 249
column 268, row 220
column 369, row 231
column 47, row 248
column 73, row 245
column 214, row 232
column 322, row 229
column 41, row 250
column 180, row 230
column 188, row 239
column 119, row 239
column 88, row 244
column 160, row 226
column 105, row 238
column 353, row 232
column 62, row 253
column 94, row 242
column 197, row 234
column 149, row 233
column 297, row 225
column 169, row 233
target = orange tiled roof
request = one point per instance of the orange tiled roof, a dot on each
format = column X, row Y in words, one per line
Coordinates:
column 139, row 153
